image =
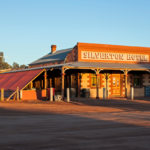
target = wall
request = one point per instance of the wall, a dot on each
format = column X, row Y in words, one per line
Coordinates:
column 146, row 79
column 85, row 83
column 72, row 56
column 33, row 94
column 138, row 92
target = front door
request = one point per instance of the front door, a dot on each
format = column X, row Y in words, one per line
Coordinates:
column 116, row 84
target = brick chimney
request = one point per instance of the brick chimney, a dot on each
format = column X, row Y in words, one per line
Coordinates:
column 53, row 48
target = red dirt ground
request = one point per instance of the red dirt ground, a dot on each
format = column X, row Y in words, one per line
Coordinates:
column 78, row 125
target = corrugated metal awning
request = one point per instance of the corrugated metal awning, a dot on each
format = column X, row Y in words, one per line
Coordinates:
column 106, row 65
column 10, row 81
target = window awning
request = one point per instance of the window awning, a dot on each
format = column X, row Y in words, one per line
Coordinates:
column 10, row 81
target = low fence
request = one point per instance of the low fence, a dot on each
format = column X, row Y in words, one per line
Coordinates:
column 9, row 94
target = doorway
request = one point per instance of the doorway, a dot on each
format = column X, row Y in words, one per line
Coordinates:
column 116, row 84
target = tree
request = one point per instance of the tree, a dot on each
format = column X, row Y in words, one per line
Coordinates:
column 22, row 66
column 3, row 64
column 6, row 65
column 1, row 60
column 15, row 65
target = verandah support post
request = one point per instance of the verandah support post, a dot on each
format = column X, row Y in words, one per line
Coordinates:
column 2, row 94
column 97, row 89
column 51, row 94
column 106, row 89
column 20, row 94
column 31, row 84
column 62, row 82
column 79, row 84
column 17, row 93
column 132, row 93
column 68, row 95
column 126, row 83
column 45, row 83
column 104, row 92
column 50, row 82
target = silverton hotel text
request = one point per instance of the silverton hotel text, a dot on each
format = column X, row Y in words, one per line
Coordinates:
column 114, row 56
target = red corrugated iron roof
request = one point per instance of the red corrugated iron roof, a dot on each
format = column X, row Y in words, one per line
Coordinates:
column 10, row 81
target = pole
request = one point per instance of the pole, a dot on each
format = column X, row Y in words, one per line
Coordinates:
column 68, row 95
column 2, row 94
column 17, row 93
column 126, row 83
column 62, row 83
column 20, row 94
column 103, row 93
column 97, row 90
column 51, row 94
column 132, row 93
column 31, row 84
column 79, row 85
column 45, row 83
column 106, row 84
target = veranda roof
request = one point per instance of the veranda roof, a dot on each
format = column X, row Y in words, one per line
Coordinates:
column 10, row 81
column 20, row 78
column 102, row 65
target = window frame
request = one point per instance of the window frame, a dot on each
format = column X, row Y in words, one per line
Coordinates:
column 93, row 75
column 137, row 77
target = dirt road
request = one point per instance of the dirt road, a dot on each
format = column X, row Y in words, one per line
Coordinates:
column 82, row 125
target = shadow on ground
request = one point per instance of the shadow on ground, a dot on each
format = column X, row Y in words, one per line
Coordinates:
column 36, row 128
column 138, row 105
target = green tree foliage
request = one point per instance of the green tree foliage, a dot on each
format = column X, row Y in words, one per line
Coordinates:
column 15, row 65
column 1, row 60
column 6, row 65
column 22, row 66
column 3, row 64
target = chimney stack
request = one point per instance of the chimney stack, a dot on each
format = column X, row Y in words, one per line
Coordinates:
column 53, row 48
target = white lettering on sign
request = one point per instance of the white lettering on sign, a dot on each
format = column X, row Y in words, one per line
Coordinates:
column 114, row 56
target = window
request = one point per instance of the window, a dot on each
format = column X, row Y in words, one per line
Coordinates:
column 136, row 80
column 94, row 80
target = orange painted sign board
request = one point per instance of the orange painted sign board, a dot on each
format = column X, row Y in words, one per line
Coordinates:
column 89, row 52
column 88, row 55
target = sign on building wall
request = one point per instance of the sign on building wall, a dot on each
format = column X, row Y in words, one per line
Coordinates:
column 114, row 56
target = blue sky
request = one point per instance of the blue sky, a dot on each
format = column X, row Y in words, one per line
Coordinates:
column 29, row 27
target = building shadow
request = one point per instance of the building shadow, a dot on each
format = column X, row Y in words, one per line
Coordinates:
column 138, row 105
column 36, row 129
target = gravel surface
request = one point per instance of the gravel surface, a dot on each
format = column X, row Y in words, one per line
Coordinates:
column 78, row 125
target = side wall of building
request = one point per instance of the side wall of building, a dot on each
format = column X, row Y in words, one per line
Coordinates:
column 72, row 56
